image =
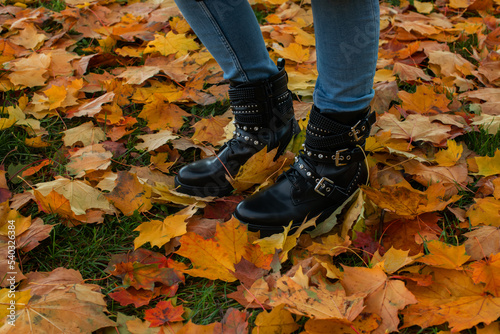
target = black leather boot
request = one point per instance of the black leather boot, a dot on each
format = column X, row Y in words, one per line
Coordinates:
column 263, row 113
column 325, row 174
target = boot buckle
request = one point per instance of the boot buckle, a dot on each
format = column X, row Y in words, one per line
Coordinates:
column 324, row 184
column 339, row 157
column 354, row 132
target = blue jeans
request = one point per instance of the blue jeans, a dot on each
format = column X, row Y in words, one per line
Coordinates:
column 346, row 31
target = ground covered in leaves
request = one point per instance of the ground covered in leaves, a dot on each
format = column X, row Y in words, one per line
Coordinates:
column 103, row 101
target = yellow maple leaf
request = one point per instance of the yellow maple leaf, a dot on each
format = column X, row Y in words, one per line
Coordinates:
column 486, row 211
column 56, row 96
column 444, row 255
column 158, row 233
column 424, row 100
column 294, row 52
column 489, row 166
column 172, row 43
column 451, row 155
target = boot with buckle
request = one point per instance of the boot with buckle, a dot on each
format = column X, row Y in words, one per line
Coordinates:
column 325, row 174
column 263, row 117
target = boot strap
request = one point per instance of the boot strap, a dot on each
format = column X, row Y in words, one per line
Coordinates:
column 341, row 157
column 348, row 136
column 323, row 185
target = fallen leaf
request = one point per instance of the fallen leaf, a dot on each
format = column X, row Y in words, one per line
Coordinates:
column 444, row 255
column 155, row 140
column 452, row 298
column 164, row 312
column 158, row 233
column 487, row 272
column 414, row 128
column 385, row 296
column 278, row 320
column 83, row 303
column 129, row 194
column 410, row 202
column 86, row 133
column 489, row 166
column 326, row 301
column 424, row 101
column 215, row 258
column 486, row 211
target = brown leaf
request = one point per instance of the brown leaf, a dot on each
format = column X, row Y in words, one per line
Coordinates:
column 129, row 194
column 414, row 128
column 326, row 301
column 83, row 303
column 385, row 297
column 131, row 295
column 410, row 202
column 210, row 130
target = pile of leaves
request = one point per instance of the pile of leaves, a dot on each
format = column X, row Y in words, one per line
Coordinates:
column 126, row 81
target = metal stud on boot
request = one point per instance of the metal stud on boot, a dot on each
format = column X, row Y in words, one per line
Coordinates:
column 325, row 174
column 263, row 113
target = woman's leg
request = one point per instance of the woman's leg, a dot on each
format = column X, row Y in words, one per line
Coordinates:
column 331, row 166
column 230, row 31
column 260, row 99
column 347, row 34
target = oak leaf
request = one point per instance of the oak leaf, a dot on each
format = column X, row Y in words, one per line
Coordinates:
column 444, row 255
column 385, row 296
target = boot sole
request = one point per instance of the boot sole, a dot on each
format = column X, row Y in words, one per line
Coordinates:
column 202, row 191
